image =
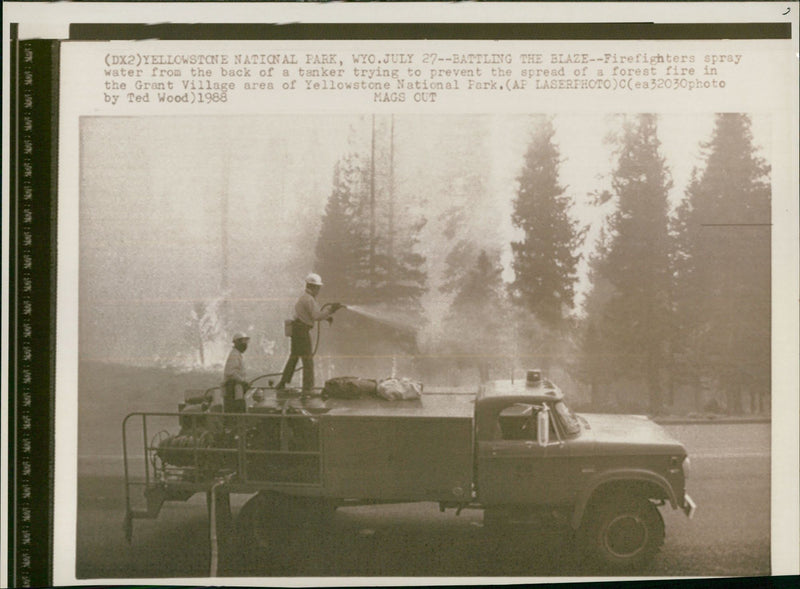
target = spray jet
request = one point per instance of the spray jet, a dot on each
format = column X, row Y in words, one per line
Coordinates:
column 382, row 318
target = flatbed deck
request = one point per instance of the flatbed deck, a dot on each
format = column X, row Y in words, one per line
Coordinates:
column 431, row 405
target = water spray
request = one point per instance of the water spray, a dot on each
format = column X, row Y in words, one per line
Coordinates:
column 365, row 312
column 361, row 310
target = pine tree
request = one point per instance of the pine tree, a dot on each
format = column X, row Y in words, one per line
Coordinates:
column 723, row 271
column 686, row 363
column 367, row 255
column 399, row 277
column 480, row 284
column 544, row 259
column 365, row 262
column 636, row 260
column 594, row 365
column 343, row 246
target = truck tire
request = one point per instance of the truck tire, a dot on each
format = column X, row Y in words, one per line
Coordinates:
column 265, row 520
column 622, row 534
column 257, row 524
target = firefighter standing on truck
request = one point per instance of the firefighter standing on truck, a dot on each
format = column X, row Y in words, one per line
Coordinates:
column 234, row 383
column 306, row 313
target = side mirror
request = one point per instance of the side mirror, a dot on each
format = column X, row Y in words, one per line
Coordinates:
column 543, row 427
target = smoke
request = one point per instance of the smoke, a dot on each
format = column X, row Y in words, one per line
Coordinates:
column 152, row 205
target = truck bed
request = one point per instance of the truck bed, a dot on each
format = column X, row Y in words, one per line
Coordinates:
column 399, row 450
column 366, row 449
column 433, row 405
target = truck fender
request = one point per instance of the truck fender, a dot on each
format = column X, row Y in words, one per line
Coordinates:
column 639, row 475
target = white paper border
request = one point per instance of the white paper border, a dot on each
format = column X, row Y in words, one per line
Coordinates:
column 52, row 21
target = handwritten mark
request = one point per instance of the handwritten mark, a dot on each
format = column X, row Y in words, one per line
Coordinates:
column 736, row 224
column 788, row 9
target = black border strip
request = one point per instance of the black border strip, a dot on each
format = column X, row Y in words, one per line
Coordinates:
column 32, row 301
column 430, row 31
column 13, row 488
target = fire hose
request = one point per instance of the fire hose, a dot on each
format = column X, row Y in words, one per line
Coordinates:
column 213, row 523
column 313, row 352
column 250, row 383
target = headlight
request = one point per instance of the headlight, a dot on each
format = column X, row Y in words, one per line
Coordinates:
column 687, row 464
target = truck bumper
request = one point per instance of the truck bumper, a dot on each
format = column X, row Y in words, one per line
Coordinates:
column 689, row 506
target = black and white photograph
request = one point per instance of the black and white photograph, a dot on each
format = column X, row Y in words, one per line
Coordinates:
column 524, row 345
column 310, row 294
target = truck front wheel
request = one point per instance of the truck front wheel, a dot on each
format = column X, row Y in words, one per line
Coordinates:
column 623, row 534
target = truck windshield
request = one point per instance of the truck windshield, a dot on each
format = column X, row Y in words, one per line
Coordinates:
column 571, row 424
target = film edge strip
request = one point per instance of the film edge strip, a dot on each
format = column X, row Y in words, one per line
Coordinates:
column 31, row 310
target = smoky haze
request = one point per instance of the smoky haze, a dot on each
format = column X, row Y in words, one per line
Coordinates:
column 179, row 211
column 188, row 223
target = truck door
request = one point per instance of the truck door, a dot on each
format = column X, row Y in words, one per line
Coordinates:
column 513, row 468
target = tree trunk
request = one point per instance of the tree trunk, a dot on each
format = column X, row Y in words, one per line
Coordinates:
column 734, row 393
column 671, row 389
column 697, row 391
column 653, row 386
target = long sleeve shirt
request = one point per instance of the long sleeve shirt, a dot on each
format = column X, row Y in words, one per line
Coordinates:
column 234, row 367
column 307, row 310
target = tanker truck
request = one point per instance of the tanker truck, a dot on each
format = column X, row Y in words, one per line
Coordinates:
column 513, row 449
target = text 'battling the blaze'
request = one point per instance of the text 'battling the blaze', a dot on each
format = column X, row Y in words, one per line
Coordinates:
column 402, row 77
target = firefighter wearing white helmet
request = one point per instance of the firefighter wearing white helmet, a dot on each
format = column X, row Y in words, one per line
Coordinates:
column 307, row 313
column 234, row 382
column 314, row 279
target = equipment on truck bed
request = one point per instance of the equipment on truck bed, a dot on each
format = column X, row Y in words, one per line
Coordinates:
column 349, row 387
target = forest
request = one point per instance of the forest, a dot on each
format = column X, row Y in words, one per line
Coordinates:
column 630, row 297
column 678, row 299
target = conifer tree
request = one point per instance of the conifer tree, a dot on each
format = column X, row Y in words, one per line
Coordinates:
column 635, row 261
column 544, row 259
column 594, row 365
column 343, row 245
column 723, row 265
column 366, row 262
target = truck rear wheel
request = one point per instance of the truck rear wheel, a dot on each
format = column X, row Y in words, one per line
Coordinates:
column 623, row 534
column 265, row 520
column 256, row 524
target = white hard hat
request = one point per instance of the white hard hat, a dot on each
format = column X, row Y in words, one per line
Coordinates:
column 314, row 279
column 239, row 335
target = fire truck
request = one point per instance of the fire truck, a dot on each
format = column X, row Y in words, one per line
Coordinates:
column 513, row 449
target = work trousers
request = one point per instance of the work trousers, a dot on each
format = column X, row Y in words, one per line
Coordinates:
column 233, row 398
column 301, row 349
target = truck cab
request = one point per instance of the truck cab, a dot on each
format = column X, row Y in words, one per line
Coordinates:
column 521, row 450
column 606, row 474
